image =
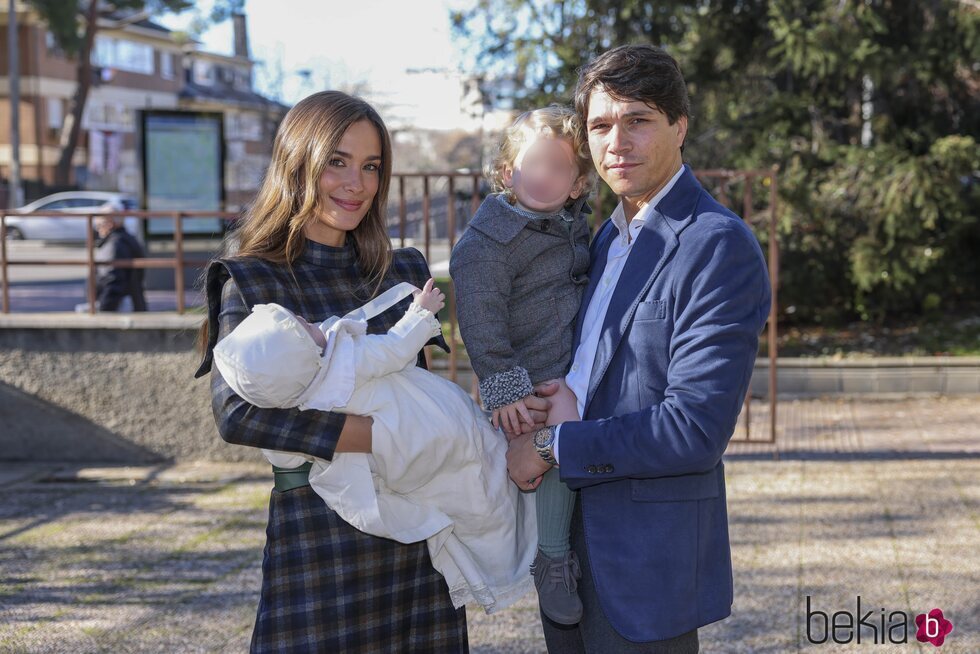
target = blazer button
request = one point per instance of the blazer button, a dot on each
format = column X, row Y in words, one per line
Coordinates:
column 609, row 467
column 591, row 470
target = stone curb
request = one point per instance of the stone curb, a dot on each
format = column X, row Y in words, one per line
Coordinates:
column 65, row 320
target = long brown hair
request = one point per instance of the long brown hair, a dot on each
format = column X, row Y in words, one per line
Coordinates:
column 289, row 199
column 273, row 225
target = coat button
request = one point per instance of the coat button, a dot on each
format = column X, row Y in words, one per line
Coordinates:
column 591, row 470
column 609, row 467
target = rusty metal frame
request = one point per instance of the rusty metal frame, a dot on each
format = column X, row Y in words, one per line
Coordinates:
column 178, row 262
column 726, row 176
column 748, row 176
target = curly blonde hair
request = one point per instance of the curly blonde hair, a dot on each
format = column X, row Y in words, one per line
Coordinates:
column 557, row 121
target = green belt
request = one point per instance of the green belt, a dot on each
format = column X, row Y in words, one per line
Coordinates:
column 287, row 479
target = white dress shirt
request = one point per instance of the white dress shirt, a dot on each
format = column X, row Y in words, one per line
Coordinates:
column 595, row 315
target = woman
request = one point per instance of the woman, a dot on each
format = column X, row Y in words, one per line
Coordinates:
column 315, row 242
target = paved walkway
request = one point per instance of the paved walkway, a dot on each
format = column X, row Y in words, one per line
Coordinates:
column 870, row 499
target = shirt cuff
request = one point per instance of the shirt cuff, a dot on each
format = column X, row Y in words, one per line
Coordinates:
column 554, row 445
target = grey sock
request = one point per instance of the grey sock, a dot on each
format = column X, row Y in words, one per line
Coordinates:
column 554, row 502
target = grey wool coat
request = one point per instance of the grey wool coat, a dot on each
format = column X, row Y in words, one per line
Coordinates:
column 519, row 279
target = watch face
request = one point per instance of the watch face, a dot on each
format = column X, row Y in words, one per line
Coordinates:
column 543, row 437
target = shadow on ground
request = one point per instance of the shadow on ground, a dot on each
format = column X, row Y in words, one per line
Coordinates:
column 37, row 430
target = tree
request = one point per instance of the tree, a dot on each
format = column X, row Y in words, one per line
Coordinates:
column 74, row 26
column 871, row 108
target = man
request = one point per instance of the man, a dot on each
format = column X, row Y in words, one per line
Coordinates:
column 664, row 346
column 116, row 283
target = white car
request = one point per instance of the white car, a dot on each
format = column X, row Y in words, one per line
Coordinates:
column 52, row 228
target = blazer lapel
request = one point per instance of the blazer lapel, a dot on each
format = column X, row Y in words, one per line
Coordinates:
column 650, row 252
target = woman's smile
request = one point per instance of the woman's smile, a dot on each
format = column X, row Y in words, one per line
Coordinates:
column 349, row 205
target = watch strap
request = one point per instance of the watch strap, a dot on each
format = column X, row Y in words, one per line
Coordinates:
column 543, row 444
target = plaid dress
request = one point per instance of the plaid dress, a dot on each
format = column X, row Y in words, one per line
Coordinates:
column 326, row 587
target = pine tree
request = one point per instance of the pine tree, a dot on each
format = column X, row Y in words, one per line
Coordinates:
column 871, row 109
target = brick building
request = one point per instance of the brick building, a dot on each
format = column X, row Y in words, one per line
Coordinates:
column 138, row 65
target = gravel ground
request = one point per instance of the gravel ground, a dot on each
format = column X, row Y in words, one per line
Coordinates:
column 870, row 499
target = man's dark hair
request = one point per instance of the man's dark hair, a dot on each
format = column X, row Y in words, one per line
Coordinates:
column 634, row 73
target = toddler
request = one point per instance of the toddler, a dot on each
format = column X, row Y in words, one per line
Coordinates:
column 519, row 271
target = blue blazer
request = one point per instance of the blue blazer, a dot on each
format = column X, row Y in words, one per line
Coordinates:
column 672, row 368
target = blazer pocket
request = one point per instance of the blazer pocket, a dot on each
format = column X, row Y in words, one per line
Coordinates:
column 651, row 310
column 685, row 488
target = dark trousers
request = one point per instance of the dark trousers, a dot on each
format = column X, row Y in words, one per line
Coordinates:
column 594, row 635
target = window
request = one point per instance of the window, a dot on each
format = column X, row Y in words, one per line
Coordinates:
column 245, row 126
column 123, row 55
column 166, row 65
column 83, row 203
column 51, row 44
column 56, row 113
column 203, row 73
column 242, row 81
column 57, row 204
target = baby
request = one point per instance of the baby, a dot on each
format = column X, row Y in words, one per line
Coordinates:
column 519, row 271
column 437, row 470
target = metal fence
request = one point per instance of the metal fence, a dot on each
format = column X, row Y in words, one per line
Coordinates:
column 178, row 263
column 425, row 216
column 749, row 193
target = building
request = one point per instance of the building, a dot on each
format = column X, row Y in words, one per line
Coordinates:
column 138, row 64
column 220, row 83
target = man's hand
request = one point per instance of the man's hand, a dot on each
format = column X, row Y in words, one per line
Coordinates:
column 537, row 406
column 524, row 465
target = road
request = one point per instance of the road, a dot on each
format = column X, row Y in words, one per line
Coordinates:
column 33, row 250
column 60, row 288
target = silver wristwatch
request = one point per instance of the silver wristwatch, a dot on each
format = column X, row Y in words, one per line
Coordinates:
column 544, row 439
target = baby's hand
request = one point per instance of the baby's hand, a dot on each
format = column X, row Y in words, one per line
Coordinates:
column 430, row 297
column 509, row 415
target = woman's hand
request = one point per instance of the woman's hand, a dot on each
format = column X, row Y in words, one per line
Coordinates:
column 430, row 297
column 509, row 417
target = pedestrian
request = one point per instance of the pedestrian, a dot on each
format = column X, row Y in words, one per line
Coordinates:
column 315, row 242
column 116, row 283
column 665, row 342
